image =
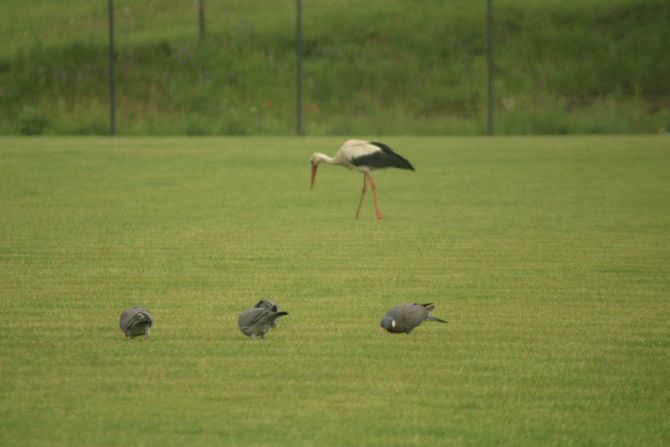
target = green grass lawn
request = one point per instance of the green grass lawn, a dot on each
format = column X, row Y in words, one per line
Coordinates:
column 550, row 257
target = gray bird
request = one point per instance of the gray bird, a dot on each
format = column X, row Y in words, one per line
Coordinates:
column 136, row 321
column 405, row 317
column 267, row 304
column 257, row 321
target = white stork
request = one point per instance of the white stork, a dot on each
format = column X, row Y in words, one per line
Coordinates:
column 363, row 156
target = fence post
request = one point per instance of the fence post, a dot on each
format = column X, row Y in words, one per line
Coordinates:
column 201, row 17
column 489, row 57
column 112, row 80
column 298, row 68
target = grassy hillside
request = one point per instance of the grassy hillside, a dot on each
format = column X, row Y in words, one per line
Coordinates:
column 548, row 256
column 392, row 66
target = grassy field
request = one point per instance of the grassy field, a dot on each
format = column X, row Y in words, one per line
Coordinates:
column 373, row 67
column 548, row 256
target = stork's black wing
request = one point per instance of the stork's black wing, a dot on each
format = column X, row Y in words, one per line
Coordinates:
column 384, row 158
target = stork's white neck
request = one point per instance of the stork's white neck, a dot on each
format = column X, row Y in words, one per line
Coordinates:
column 318, row 157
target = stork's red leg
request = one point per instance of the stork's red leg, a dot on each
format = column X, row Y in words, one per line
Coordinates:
column 362, row 195
column 374, row 191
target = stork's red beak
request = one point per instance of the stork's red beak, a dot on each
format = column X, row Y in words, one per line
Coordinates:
column 314, row 166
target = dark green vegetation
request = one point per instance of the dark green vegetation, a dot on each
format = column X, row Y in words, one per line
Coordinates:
column 548, row 256
column 383, row 66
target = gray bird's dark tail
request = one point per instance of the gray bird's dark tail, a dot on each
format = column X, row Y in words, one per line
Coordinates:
column 431, row 318
column 279, row 314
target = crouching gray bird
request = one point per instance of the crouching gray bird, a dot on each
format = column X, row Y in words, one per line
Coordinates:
column 258, row 320
column 274, row 307
column 405, row 317
column 136, row 321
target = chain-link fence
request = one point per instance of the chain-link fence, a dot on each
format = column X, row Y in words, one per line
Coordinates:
column 380, row 66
